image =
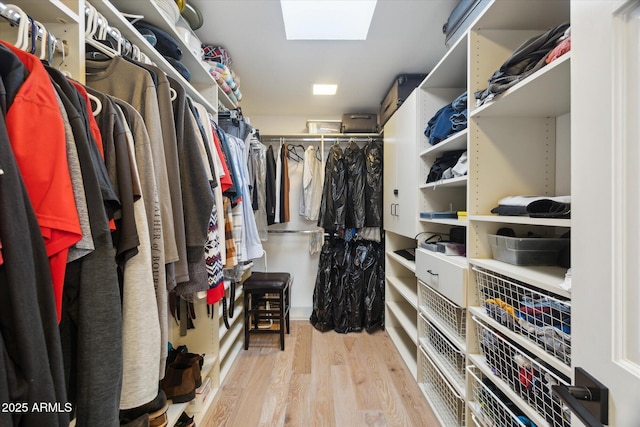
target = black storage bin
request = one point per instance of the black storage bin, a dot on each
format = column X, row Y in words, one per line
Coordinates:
column 359, row 123
column 401, row 88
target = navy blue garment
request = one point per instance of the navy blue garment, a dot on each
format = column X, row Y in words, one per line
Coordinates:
column 439, row 126
column 165, row 44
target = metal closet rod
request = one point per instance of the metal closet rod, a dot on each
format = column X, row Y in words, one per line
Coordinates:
column 14, row 18
column 295, row 231
column 315, row 139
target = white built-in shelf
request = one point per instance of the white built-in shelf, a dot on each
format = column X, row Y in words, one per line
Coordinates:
column 406, row 286
column 407, row 351
column 399, row 310
column 478, row 361
column 227, row 363
column 451, row 70
column 457, row 141
column 460, row 261
column 525, row 15
column 174, row 412
column 226, row 344
column 410, row 265
column 238, row 316
column 522, row 341
column 460, row 181
column 524, row 220
column 446, row 221
column 319, row 136
column 200, row 82
column 545, row 93
column 55, row 11
column 547, row 278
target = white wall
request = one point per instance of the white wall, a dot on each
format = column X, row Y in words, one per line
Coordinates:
column 284, row 125
column 290, row 252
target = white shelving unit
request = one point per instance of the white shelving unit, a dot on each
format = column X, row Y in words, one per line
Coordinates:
column 517, row 144
column 202, row 87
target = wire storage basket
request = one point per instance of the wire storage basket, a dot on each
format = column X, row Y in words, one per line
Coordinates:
column 528, row 376
column 444, row 399
column 452, row 359
column 452, row 316
column 539, row 315
column 489, row 405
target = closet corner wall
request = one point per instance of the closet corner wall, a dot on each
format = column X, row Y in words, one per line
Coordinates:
column 518, row 144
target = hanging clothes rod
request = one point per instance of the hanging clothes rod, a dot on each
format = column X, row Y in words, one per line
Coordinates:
column 295, row 231
column 316, row 139
column 14, row 18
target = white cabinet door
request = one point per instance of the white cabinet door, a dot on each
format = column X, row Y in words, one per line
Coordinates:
column 605, row 89
column 400, row 173
column 390, row 201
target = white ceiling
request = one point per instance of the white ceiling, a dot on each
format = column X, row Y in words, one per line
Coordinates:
column 276, row 75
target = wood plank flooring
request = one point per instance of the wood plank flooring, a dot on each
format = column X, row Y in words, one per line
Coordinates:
column 321, row 379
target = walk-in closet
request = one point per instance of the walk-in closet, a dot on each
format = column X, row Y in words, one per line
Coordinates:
column 413, row 213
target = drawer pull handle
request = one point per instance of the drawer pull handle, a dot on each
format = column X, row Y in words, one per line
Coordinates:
column 432, row 273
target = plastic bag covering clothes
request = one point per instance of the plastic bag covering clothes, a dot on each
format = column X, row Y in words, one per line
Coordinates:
column 354, row 162
column 334, row 193
column 349, row 290
column 374, row 290
column 322, row 315
column 373, row 184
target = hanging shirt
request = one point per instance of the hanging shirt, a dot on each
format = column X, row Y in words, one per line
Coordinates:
column 37, row 137
column 270, row 186
column 278, row 205
column 129, row 82
column 312, row 180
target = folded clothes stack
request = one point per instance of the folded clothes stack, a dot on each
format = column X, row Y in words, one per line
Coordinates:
column 219, row 62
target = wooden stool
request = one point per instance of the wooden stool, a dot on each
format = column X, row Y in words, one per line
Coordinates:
column 266, row 297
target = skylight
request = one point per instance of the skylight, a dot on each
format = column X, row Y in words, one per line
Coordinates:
column 327, row 19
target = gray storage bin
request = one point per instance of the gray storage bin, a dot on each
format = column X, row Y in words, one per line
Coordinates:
column 527, row 251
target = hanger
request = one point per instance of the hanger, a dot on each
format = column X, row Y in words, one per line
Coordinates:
column 23, row 30
column 292, row 153
column 98, row 103
column 44, row 42
column 33, row 40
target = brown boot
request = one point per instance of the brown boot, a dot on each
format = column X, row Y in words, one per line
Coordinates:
column 195, row 361
column 178, row 383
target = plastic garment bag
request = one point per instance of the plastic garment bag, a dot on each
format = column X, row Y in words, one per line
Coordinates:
column 349, row 290
column 322, row 315
column 334, row 193
column 354, row 162
column 373, row 184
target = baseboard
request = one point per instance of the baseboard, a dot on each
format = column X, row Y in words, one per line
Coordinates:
column 300, row 313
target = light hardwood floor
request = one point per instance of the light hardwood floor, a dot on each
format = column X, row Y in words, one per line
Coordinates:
column 321, row 379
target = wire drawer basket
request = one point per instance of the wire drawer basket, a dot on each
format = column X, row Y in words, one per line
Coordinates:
column 489, row 406
column 524, row 374
column 540, row 316
column 452, row 316
column 444, row 399
column 441, row 348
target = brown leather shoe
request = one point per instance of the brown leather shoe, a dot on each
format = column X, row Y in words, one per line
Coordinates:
column 155, row 408
column 178, row 383
column 159, row 421
column 195, row 361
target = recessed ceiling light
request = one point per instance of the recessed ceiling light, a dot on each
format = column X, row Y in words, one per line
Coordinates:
column 327, row 19
column 322, row 89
